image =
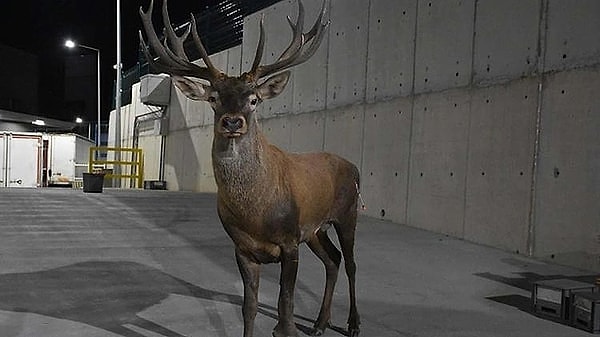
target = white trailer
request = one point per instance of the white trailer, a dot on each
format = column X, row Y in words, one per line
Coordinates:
column 68, row 156
column 20, row 159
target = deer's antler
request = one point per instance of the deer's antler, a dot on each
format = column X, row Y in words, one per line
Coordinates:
column 301, row 48
column 170, row 55
column 172, row 59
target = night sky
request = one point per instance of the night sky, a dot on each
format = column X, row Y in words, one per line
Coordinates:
column 41, row 27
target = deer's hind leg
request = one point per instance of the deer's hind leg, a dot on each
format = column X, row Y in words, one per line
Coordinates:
column 346, row 233
column 321, row 245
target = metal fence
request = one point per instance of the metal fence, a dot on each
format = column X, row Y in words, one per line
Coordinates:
column 220, row 26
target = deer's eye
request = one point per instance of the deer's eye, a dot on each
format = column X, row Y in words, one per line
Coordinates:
column 212, row 99
column 254, row 101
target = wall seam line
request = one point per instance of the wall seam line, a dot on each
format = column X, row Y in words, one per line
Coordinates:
column 327, row 54
column 469, row 120
column 364, row 102
column 542, row 30
column 411, row 117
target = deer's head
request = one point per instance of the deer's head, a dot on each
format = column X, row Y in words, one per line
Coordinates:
column 234, row 99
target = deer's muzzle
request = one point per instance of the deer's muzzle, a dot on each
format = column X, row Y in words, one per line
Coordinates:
column 232, row 126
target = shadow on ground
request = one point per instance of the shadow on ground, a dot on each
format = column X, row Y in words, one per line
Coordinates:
column 109, row 296
column 106, row 295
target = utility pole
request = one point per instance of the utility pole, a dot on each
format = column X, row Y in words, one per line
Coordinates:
column 118, row 96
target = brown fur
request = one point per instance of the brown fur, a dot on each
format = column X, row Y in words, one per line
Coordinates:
column 269, row 201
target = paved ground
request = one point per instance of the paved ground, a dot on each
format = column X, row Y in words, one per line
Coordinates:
column 157, row 263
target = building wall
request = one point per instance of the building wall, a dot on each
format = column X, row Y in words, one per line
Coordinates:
column 474, row 118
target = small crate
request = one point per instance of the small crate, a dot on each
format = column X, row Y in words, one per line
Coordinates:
column 552, row 298
column 77, row 183
column 155, row 185
column 585, row 311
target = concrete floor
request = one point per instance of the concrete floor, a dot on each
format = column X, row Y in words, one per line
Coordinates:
column 155, row 263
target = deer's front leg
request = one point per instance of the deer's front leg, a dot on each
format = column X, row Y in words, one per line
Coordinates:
column 287, row 282
column 250, row 272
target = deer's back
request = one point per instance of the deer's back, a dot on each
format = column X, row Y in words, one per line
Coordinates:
column 324, row 186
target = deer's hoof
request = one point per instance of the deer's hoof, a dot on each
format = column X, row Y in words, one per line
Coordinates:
column 319, row 328
column 282, row 332
column 276, row 334
column 317, row 332
column 353, row 332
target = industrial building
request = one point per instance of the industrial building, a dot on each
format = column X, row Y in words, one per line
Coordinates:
column 473, row 124
column 475, row 119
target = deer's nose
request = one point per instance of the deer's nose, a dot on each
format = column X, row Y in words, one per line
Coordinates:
column 232, row 124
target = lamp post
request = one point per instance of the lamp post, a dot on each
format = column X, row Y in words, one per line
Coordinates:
column 71, row 44
column 118, row 94
column 79, row 122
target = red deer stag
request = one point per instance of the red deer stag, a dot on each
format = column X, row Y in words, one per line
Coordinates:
column 269, row 201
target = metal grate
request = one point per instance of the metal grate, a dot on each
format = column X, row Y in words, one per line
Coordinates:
column 220, row 26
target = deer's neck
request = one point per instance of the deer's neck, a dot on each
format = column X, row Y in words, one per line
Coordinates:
column 241, row 166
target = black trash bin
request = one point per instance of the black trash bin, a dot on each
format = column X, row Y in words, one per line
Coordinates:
column 93, row 182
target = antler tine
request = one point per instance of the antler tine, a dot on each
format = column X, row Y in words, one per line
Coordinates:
column 318, row 23
column 152, row 37
column 216, row 73
column 168, row 61
column 182, row 59
column 175, row 41
column 159, row 66
column 297, row 33
column 307, row 53
column 260, row 48
column 296, row 52
column 292, row 51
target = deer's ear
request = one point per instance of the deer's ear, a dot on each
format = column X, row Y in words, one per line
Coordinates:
column 191, row 89
column 274, row 85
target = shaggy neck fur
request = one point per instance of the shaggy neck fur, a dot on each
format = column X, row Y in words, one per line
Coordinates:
column 239, row 167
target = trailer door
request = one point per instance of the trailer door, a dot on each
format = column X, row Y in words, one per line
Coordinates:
column 3, row 163
column 23, row 161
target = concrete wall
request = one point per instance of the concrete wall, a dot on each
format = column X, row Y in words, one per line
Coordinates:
column 438, row 103
column 475, row 118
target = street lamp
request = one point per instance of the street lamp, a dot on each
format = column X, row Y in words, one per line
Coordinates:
column 71, row 44
column 79, row 121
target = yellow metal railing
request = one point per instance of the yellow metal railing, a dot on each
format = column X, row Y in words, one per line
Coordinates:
column 136, row 164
